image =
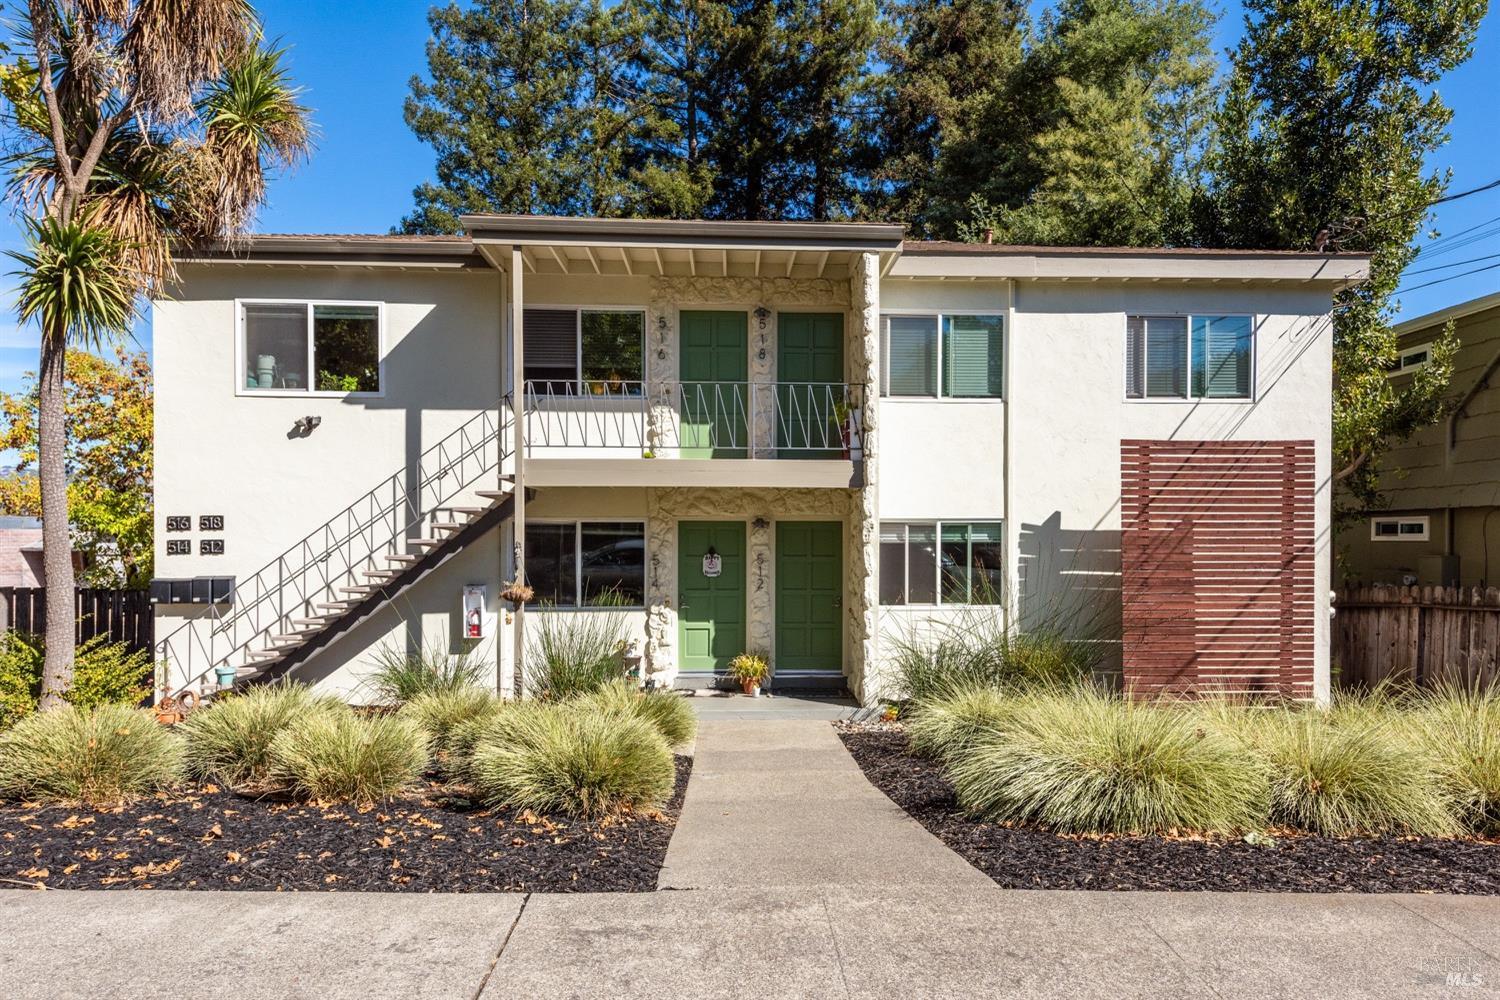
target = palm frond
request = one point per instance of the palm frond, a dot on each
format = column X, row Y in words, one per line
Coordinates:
column 76, row 280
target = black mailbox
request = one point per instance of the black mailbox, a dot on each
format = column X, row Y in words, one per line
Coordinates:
column 199, row 590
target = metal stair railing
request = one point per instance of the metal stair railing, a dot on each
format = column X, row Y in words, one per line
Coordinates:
column 338, row 552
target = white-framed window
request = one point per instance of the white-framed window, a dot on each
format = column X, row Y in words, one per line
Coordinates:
column 943, row 355
column 586, row 564
column 593, row 351
column 941, row 562
column 1411, row 359
column 1189, row 357
column 313, row 347
column 1406, row 528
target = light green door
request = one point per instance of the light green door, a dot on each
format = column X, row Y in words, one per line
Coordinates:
column 710, row 608
column 809, row 601
column 810, row 384
column 714, row 370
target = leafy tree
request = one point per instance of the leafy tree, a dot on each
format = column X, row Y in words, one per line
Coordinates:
column 1119, row 95
column 108, row 461
column 132, row 124
column 948, row 63
column 1322, row 140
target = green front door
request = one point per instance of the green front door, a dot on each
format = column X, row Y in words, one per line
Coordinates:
column 711, row 595
column 810, row 384
column 809, row 601
column 714, row 410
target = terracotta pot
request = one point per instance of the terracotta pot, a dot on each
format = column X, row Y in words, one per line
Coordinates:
column 748, row 686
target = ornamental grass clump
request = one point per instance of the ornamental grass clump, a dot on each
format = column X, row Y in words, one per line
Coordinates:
column 1360, row 769
column 571, row 654
column 100, row 756
column 1459, row 729
column 945, row 727
column 669, row 713
column 976, row 650
column 1086, row 761
column 578, row 762
column 340, row 756
column 229, row 741
column 439, row 714
column 400, row 675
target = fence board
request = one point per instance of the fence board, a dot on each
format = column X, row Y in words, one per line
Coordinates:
column 1420, row 635
column 122, row 615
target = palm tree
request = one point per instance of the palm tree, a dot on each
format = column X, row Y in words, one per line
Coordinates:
column 136, row 126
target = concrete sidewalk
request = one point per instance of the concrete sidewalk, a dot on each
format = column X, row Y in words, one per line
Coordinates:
column 733, row 943
column 780, row 802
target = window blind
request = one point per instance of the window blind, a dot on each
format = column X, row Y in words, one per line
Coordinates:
column 550, row 338
column 1221, row 357
column 1166, row 357
column 1135, row 357
column 973, row 356
column 911, row 355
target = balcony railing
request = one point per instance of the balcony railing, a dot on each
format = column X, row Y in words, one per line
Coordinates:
column 696, row 419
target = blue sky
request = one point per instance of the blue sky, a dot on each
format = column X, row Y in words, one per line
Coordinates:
column 355, row 60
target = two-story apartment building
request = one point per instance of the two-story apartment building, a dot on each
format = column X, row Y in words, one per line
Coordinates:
column 796, row 439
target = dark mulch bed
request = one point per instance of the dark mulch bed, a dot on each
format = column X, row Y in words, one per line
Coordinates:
column 1027, row 858
column 214, row 839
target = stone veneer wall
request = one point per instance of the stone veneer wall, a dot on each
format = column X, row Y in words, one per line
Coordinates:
column 859, row 298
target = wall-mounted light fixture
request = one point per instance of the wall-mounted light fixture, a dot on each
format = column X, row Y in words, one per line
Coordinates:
column 305, row 425
column 760, row 524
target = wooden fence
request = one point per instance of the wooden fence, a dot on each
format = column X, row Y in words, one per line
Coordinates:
column 1422, row 635
column 123, row 615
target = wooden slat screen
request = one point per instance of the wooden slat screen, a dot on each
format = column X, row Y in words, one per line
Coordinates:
column 1217, row 570
column 123, row 615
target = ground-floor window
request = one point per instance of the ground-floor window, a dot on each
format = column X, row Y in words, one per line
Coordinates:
column 588, row 564
column 941, row 562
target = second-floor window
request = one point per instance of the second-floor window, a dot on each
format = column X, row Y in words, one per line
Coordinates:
column 310, row 347
column 1189, row 357
column 590, row 351
column 943, row 355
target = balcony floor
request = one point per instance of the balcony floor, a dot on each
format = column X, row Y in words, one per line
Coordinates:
column 840, row 473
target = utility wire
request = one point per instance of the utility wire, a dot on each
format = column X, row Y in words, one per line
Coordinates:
column 1451, row 277
column 1465, row 194
column 1456, row 263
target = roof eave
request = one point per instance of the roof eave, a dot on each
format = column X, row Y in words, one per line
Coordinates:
column 529, row 230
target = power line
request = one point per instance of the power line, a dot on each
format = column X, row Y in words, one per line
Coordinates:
column 1465, row 194
column 1451, row 277
column 1456, row 263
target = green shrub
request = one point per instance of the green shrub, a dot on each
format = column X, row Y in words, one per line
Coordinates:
column 1459, row 729
column 944, row 727
column 332, row 756
column 1085, row 761
column 229, row 740
column 975, row 650
column 1355, row 771
column 104, row 673
column 575, row 761
column 667, row 712
column 438, row 714
column 572, row 653
column 400, row 676
column 97, row 756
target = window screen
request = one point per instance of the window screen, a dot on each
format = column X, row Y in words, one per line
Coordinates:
column 550, row 350
column 973, row 356
column 1221, row 357
column 911, row 355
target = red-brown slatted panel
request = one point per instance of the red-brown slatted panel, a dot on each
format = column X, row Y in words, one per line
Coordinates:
column 1217, row 566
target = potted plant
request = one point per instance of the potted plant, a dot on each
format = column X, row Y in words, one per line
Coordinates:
column 749, row 670
column 841, row 419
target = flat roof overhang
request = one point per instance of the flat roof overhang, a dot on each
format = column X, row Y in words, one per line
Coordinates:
column 980, row 262
column 702, row 472
column 306, row 250
column 563, row 245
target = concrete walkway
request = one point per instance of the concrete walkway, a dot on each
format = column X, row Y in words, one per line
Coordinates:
column 780, row 802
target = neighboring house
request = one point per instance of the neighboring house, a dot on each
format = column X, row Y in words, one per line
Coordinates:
column 21, row 552
column 804, row 440
column 1442, row 525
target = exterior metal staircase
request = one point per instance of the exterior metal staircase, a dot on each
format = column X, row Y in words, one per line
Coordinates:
column 355, row 563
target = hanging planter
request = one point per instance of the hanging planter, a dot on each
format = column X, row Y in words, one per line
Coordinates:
column 517, row 594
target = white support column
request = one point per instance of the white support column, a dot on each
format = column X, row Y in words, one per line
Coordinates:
column 518, row 437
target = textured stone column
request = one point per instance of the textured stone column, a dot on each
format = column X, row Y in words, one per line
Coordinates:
column 661, row 592
column 763, row 381
column 661, row 366
column 760, row 582
column 868, row 681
